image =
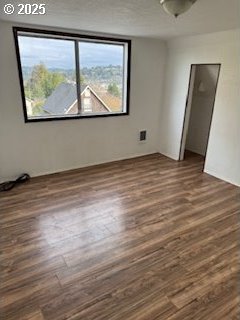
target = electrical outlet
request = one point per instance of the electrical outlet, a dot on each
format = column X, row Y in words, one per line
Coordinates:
column 143, row 135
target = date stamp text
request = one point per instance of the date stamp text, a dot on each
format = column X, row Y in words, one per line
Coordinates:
column 25, row 8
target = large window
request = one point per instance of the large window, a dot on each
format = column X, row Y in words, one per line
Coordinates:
column 66, row 76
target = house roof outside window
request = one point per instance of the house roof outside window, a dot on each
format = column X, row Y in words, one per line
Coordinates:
column 64, row 97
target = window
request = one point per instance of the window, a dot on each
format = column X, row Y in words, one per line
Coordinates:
column 87, row 105
column 67, row 76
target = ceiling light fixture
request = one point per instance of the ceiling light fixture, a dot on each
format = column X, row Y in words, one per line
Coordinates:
column 176, row 7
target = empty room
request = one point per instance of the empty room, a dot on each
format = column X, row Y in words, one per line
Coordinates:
column 120, row 160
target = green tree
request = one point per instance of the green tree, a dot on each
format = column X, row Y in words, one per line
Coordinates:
column 42, row 82
column 37, row 108
column 114, row 90
column 52, row 80
column 82, row 79
column 34, row 87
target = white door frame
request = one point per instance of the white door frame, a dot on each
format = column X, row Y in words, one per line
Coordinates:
column 189, row 105
column 187, row 111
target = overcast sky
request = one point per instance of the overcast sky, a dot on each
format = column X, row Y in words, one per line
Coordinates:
column 60, row 53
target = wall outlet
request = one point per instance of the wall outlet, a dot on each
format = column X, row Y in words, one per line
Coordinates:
column 143, row 135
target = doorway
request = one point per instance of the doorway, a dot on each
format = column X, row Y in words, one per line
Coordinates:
column 199, row 109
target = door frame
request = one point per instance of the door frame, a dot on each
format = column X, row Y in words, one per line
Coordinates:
column 185, row 120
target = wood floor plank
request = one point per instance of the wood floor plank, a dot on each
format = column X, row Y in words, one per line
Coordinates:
column 140, row 239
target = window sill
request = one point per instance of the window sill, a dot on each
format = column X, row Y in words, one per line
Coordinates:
column 74, row 117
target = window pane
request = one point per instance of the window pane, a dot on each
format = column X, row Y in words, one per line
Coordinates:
column 101, row 77
column 49, row 75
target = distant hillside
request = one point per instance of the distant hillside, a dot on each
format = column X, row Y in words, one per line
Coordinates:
column 100, row 74
column 104, row 75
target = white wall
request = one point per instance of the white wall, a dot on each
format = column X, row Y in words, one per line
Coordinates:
column 223, row 156
column 47, row 147
column 202, row 108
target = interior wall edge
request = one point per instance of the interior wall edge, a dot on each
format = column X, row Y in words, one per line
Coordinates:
column 223, row 154
column 218, row 175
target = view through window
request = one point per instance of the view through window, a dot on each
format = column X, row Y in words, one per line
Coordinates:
column 67, row 76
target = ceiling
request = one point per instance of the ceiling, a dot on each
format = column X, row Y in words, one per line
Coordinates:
column 143, row 18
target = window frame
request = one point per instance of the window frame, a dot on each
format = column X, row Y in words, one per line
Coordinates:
column 50, row 34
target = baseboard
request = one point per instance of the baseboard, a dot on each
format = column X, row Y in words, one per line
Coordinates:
column 91, row 164
column 216, row 175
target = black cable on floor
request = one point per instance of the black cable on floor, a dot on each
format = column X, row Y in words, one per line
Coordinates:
column 9, row 185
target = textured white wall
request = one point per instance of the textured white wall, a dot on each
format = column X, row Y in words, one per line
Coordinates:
column 40, row 148
column 202, row 107
column 223, row 156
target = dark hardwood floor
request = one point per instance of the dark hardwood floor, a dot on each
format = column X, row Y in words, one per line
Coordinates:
column 147, row 238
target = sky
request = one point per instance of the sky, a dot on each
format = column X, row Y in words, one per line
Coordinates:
column 60, row 53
